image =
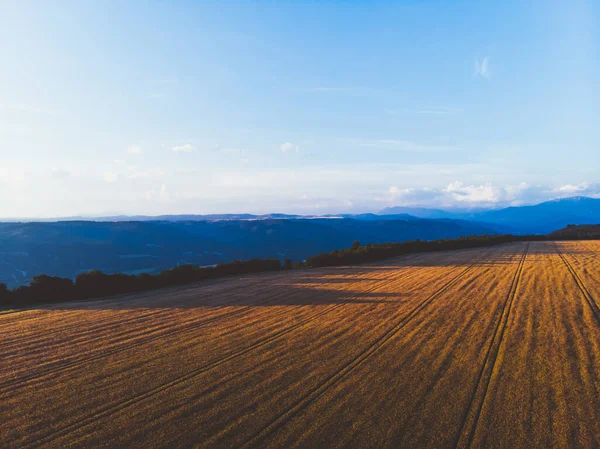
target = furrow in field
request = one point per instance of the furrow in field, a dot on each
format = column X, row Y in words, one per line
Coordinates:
column 580, row 284
column 471, row 419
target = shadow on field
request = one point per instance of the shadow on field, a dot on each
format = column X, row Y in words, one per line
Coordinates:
column 310, row 293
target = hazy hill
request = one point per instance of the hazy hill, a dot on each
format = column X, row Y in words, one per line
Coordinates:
column 420, row 212
column 539, row 219
column 546, row 217
column 68, row 248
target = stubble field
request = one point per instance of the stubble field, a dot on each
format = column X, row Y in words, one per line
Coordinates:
column 495, row 347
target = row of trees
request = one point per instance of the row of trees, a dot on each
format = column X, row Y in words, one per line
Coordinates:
column 371, row 253
column 95, row 284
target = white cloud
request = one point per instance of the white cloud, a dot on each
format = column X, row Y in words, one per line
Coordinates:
column 482, row 68
column 110, row 176
column 460, row 194
column 397, row 192
column 571, row 188
column 187, row 148
column 288, row 147
column 134, row 149
column 485, row 193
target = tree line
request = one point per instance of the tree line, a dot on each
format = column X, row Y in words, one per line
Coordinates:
column 95, row 284
column 375, row 252
column 45, row 289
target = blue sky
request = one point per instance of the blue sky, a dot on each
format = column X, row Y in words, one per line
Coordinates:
column 301, row 107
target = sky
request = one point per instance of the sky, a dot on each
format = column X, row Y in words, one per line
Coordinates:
column 156, row 107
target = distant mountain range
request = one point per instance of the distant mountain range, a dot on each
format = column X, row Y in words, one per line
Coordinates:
column 537, row 219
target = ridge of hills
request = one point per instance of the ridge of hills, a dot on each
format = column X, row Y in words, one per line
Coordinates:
column 540, row 218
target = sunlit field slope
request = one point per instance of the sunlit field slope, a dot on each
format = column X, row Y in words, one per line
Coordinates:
column 495, row 347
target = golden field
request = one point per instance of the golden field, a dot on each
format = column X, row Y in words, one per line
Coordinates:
column 494, row 347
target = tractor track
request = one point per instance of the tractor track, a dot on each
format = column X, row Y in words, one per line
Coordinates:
column 467, row 430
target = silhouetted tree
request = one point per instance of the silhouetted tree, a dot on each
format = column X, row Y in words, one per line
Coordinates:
column 4, row 295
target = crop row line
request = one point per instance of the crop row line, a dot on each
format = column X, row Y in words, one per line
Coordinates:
column 580, row 284
column 473, row 413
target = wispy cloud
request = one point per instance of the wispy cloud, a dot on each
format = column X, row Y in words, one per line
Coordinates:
column 187, row 148
column 482, row 68
column 472, row 195
column 463, row 193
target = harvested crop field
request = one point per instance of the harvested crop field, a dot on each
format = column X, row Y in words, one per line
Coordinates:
column 494, row 347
